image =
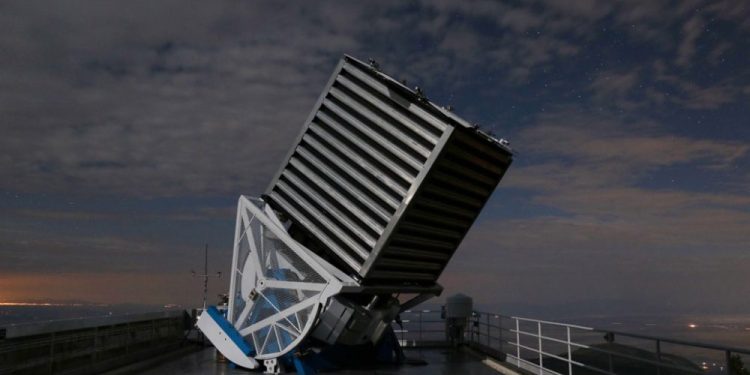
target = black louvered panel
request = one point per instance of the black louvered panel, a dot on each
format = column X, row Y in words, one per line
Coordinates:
column 443, row 210
column 384, row 180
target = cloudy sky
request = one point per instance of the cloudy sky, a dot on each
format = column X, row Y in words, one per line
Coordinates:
column 130, row 128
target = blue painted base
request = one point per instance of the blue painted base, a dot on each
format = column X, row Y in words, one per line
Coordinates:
column 339, row 357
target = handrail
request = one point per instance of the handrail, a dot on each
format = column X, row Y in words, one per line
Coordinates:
column 677, row 341
column 491, row 331
column 703, row 345
column 95, row 344
column 552, row 323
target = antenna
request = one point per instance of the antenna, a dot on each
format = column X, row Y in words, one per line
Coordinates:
column 205, row 276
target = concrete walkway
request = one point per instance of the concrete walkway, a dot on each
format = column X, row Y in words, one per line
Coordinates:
column 439, row 361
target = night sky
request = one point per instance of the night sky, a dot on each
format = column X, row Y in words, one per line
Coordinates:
column 130, row 128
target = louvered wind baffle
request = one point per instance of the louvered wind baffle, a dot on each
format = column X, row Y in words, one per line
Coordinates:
column 384, row 182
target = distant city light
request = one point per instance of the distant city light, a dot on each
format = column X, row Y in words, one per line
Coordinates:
column 38, row 304
column 692, row 325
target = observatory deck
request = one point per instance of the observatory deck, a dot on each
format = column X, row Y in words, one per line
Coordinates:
column 438, row 361
column 156, row 344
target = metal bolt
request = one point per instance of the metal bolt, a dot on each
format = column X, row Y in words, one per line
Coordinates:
column 373, row 64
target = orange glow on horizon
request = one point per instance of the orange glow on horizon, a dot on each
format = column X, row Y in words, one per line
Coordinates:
column 38, row 304
column 78, row 289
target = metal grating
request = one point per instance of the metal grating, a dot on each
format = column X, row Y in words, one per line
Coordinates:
column 385, row 180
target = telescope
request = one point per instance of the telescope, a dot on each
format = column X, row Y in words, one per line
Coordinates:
column 357, row 225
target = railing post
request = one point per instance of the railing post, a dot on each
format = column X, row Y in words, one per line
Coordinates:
column 95, row 346
column 539, row 338
column 570, row 353
column 420, row 325
column 488, row 329
column 729, row 362
column 476, row 329
column 500, row 333
column 471, row 328
column 52, row 353
column 402, row 334
column 518, row 344
column 658, row 357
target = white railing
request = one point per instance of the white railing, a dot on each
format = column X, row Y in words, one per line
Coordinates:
column 552, row 348
column 569, row 345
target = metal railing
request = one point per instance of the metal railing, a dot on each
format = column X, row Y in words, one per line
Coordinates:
column 88, row 345
column 421, row 328
column 538, row 336
column 546, row 347
column 552, row 348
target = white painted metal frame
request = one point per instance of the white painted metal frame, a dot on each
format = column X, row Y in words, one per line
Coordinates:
column 540, row 349
column 287, row 319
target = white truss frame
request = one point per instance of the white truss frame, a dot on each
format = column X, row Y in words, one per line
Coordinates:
column 286, row 320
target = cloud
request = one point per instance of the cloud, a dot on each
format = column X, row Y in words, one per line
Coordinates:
column 637, row 267
column 692, row 95
column 44, row 251
column 152, row 101
column 525, row 38
column 637, row 147
column 181, row 214
column 711, row 97
column 604, row 232
column 734, row 11
column 654, row 86
column 691, row 30
column 595, row 166
column 519, row 19
column 615, row 86
column 191, row 106
column 607, row 235
column 180, row 107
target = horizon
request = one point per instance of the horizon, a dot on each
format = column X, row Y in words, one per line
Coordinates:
column 130, row 131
